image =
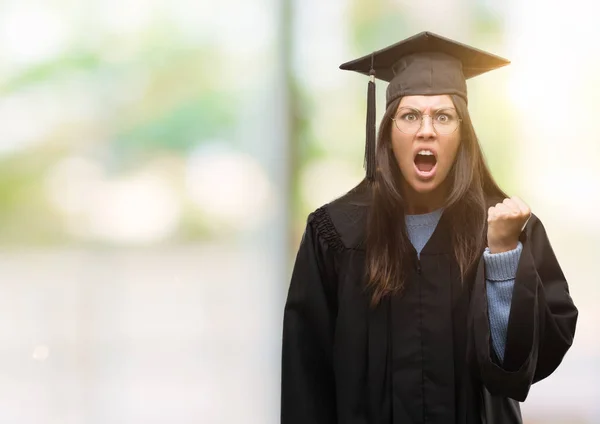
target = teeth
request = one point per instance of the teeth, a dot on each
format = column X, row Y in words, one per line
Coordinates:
column 425, row 153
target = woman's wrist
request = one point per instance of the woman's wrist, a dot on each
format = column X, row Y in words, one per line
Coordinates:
column 503, row 247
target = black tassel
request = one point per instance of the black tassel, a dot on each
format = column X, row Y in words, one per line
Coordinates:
column 370, row 142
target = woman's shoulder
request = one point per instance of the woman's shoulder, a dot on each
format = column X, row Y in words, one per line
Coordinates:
column 342, row 222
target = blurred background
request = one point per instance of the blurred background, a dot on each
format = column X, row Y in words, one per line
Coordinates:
column 158, row 160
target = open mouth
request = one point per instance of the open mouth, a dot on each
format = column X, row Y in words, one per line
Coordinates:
column 425, row 163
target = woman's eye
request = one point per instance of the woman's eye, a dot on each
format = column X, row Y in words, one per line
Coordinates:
column 444, row 118
column 410, row 117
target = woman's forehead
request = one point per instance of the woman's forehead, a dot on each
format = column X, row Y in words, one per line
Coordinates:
column 427, row 102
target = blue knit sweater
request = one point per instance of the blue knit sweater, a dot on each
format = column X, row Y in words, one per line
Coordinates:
column 500, row 272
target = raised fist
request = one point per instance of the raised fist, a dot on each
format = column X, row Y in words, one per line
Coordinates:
column 506, row 220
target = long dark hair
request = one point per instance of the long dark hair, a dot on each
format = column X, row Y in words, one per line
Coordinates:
column 472, row 190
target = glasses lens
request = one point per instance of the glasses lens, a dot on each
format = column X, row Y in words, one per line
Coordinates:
column 408, row 120
column 445, row 122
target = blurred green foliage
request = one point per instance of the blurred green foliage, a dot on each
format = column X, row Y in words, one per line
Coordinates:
column 158, row 96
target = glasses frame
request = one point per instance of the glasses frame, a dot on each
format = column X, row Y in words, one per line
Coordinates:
column 423, row 115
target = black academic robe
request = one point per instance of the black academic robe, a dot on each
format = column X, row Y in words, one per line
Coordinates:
column 424, row 356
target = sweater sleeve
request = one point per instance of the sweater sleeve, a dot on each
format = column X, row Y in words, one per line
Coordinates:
column 500, row 272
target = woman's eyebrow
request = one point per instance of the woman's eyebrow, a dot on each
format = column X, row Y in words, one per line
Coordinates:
column 413, row 108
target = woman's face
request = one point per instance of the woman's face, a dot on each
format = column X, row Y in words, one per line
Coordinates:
column 425, row 157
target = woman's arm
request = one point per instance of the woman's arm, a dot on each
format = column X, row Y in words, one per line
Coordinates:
column 542, row 319
column 307, row 380
column 500, row 273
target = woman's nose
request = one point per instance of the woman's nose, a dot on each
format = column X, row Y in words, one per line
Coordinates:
column 426, row 130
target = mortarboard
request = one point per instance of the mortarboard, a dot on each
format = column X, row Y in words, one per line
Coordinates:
column 424, row 64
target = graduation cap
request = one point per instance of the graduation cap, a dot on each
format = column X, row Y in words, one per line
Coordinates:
column 424, row 64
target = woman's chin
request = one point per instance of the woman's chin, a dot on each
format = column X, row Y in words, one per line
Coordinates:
column 423, row 187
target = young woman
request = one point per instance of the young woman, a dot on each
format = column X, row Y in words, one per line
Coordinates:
column 426, row 294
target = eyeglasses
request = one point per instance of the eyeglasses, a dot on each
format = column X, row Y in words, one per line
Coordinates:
column 410, row 121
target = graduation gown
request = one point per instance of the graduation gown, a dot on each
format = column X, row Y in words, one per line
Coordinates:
column 424, row 356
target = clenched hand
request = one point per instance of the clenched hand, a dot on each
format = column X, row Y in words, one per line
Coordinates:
column 505, row 222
